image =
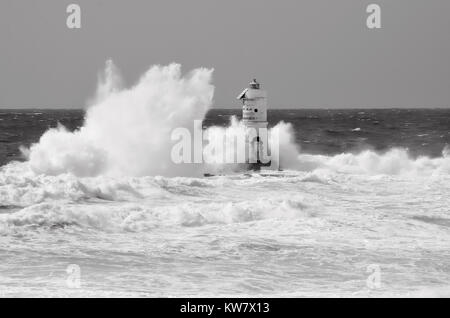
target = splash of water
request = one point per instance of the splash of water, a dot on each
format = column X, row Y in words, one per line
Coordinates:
column 127, row 131
column 281, row 137
column 395, row 161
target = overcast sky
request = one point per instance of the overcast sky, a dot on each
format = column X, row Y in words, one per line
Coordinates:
column 312, row 53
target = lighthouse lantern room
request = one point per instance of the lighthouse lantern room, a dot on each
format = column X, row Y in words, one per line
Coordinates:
column 254, row 109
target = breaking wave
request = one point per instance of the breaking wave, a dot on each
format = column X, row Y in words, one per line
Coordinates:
column 142, row 203
column 81, row 193
column 127, row 214
column 116, row 170
column 127, row 131
column 21, row 186
column 396, row 161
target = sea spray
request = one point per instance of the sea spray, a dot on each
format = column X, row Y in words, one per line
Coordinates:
column 282, row 152
column 127, row 131
column 395, row 161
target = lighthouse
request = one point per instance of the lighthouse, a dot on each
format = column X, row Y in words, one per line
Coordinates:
column 254, row 118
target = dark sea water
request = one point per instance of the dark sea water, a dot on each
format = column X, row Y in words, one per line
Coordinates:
column 329, row 132
column 21, row 128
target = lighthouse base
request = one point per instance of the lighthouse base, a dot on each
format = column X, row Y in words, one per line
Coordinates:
column 239, row 168
column 256, row 166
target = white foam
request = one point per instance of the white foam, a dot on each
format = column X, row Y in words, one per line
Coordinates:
column 127, row 131
column 396, row 161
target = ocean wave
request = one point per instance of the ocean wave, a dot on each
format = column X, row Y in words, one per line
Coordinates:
column 396, row 161
column 127, row 131
column 136, row 217
column 21, row 186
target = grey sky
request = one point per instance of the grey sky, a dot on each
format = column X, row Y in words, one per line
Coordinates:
column 313, row 53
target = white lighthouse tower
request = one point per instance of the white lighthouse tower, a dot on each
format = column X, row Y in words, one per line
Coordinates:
column 254, row 116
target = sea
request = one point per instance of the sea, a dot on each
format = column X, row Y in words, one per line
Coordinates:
column 363, row 212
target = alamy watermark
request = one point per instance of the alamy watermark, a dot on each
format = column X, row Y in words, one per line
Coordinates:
column 73, row 280
column 374, row 19
column 374, row 279
column 233, row 145
column 74, row 18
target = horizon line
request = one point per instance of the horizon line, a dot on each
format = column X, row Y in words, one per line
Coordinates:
column 238, row 108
